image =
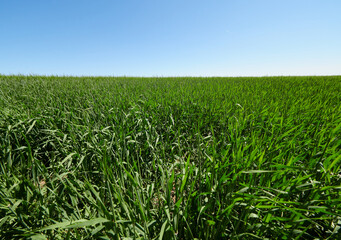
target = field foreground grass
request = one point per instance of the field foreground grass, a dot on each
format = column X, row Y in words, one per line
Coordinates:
column 170, row 158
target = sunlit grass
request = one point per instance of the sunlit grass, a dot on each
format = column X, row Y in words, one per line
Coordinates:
column 170, row 158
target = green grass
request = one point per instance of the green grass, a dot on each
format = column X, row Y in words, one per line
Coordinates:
column 170, row 158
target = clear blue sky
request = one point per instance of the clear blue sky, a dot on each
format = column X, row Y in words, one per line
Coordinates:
column 170, row 38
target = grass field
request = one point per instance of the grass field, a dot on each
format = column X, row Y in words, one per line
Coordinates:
column 170, row 158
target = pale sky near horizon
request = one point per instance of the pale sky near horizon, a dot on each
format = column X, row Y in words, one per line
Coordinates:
column 170, row 38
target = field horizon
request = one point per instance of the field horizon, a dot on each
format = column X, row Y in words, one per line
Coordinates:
column 84, row 157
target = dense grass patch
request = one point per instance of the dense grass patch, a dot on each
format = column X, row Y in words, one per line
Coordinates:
column 170, row 158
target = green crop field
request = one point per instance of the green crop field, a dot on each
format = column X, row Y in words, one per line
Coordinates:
column 170, row 158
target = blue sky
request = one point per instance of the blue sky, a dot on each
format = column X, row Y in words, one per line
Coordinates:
column 170, row 38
